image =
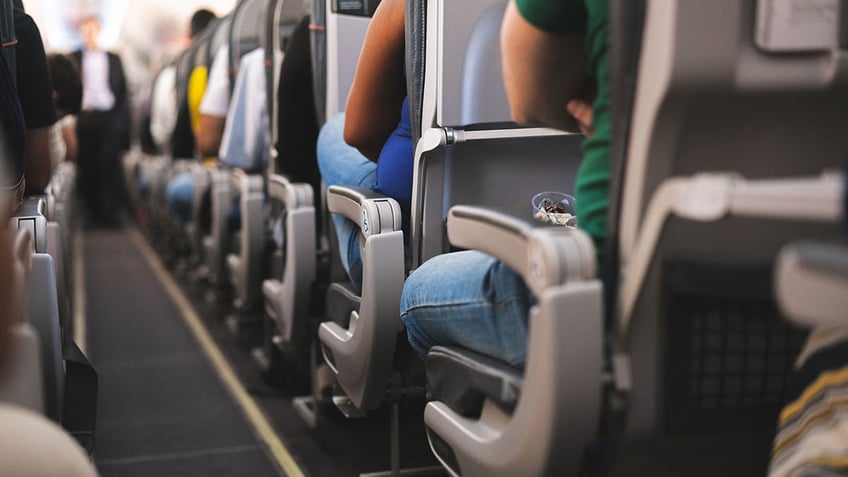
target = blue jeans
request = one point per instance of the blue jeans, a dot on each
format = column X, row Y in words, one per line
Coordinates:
column 180, row 195
column 467, row 299
column 343, row 165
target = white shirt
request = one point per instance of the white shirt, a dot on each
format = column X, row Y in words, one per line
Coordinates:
column 216, row 98
column 163, row 107
column 96, row 93
column 247, row 137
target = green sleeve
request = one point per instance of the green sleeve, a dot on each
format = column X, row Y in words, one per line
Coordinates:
column 554, row 16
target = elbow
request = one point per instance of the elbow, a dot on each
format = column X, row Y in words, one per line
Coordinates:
column 207, row 146
column 354, row 136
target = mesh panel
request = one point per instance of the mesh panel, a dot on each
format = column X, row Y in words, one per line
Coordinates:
column 729, row 352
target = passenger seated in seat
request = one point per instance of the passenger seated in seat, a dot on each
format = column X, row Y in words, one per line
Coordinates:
column 370, row 145
column 36, row 100
column 179, row 193
column 469, row 299
column 67, row 92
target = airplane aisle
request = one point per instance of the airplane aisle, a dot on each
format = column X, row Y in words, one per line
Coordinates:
column 162, row 410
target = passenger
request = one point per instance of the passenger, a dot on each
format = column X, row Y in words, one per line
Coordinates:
column 67, row 92
column 102, row 126
column 812, row 434
column 36, row 102
column 370, row 145
column 179, row 191
column 470, row 299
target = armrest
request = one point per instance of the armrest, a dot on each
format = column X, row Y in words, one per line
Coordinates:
column 374, row 212
column 810, row 281
column 247, row 183
column 543, row 256
column 31, row 216
column 292, row 196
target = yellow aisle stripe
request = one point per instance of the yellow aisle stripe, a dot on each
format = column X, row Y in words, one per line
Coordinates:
column 249, row 408
column 80, row 331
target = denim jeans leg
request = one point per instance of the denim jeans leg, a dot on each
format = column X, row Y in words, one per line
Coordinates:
column 341, row 164
column 467, row 299
column 179, row 195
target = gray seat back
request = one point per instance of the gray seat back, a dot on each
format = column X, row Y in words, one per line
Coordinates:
column 346, row 25
column 468, row 146
column 707, row 348
column 244, row 33
column 219, row 38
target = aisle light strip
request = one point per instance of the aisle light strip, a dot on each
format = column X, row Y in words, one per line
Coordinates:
column 80, row 331
column 248, row 406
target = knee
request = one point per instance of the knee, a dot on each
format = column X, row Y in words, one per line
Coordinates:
column 330, row 138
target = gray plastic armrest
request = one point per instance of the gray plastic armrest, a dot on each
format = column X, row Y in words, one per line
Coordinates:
column 245, row 269
column 557, row 414
column 810, row 283
column 365, row 207
column 287, row 297
column 544, row 256
column 32, row 216
column 362, row 354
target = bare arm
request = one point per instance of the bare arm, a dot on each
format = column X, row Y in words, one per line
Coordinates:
column 69, row 135
column 376, row 95
column 542, row 72
column 38, row 166
column 210, row 131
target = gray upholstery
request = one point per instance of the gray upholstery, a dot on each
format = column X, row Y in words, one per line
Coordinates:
column 244, row 32
column 318, row 40
column 415, row 23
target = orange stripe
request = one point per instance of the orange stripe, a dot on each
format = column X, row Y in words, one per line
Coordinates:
column 313, row 26
column 9, row 43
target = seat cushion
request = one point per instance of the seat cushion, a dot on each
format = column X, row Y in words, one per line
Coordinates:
column 463, row 379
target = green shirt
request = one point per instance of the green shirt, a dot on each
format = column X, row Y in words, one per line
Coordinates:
column 593, row 178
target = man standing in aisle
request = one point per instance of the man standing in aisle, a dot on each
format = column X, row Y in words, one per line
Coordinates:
column 102, row 127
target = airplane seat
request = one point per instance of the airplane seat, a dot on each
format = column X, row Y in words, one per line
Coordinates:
column 699, row 350
column 43, row 307
column 287, row 290
column 318, row 49
column 243, row 257
column 460, row 157
column 69, row 380
column 21, row 382
column 241, row 37
column 697, row 326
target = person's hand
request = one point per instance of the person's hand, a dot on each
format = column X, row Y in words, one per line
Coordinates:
column 582, row 112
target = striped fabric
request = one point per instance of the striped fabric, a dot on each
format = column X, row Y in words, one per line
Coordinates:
column 812, row 434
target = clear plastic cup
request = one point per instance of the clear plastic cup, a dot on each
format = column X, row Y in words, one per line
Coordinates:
column 554, row 208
